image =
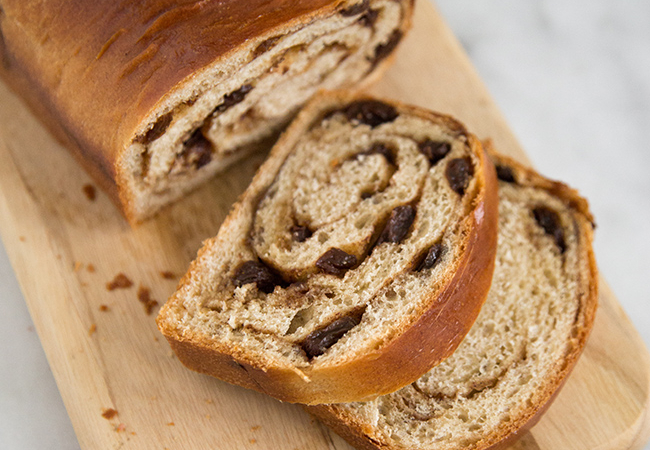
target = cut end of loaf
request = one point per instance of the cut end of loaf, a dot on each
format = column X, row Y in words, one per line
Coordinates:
column 524, row 343
column 240, row 103
column 365, row 242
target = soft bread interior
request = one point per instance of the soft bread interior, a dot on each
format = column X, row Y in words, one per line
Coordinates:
column 512, row 357
column 225, row 112
column 332, row 184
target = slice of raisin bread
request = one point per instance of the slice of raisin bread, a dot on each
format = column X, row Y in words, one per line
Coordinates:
column 525, row 342
column 357, row 259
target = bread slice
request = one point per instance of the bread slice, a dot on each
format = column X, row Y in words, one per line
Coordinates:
column 156, row 96
column 356, row 260
column 522, row 347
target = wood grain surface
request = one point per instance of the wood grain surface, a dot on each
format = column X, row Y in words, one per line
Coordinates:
column 106, row 353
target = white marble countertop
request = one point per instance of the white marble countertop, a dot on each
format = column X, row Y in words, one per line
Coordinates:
column 573, row 79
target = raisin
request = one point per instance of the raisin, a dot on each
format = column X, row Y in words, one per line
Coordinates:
column 434, row 150
column 369, row 18
column 157, row 130
column 459, row 171
column 505, row 173
column 355, row 9
column 265, row 46
column 385, row 49
column 300, row 233
column 197, row 152
column 233, row 98
column 370, row 112
column 380, row 149
column 258, row 273
column 549, row 220
column 398, row 225
column 144, row 296
column 431, row 258
column 320, row 340
column 336, row 262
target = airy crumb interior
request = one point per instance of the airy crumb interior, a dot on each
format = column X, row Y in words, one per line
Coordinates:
column 520, row 338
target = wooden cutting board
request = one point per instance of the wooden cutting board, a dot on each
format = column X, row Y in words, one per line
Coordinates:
column 65, row 248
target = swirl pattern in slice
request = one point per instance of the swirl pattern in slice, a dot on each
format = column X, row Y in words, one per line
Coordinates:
column 523, row 345
column 352, row 250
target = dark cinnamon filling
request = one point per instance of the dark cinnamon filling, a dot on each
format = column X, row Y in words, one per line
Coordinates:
column 197, row 151
column 355, row 9
column 157, row 130
column 549, row 220
column 265, row 46
column 385, row 49
column 235, row 97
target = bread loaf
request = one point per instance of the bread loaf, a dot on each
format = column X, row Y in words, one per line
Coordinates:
column 155, row 96
column 356, row 260
column 523, row 345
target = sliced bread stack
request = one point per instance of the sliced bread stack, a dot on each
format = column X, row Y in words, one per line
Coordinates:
column 355, row 265
column 523, row 345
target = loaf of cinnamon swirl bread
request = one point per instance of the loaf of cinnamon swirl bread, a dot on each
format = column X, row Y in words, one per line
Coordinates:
column 155, row 96
column 357, row 259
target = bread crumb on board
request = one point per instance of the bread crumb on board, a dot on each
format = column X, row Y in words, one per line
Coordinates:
column 78, row 265
column 109, row 413
column 144, row 296
column 90, row 192
column 120, row 281
column 92, row 329
column 167, row 275
column 104, row 308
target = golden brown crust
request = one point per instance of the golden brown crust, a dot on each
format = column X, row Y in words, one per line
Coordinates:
column 94, row 71
column 362, row 435
column 429, row 338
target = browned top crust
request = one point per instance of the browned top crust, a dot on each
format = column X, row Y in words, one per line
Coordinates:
column 93, row 69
